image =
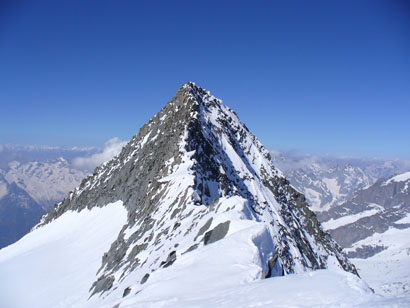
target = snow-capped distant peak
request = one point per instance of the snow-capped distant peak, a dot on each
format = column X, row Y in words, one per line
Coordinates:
column 46, row 182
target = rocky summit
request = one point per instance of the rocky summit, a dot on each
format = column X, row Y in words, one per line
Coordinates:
column 200, row 192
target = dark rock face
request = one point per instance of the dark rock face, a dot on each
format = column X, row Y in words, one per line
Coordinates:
column 170, row 259
column 201, row 142
column 102, row 284
column 204, row 228
column 365, row 252
column 18, row 213
column 126, row 292
column 145, row 278
column 217, row 233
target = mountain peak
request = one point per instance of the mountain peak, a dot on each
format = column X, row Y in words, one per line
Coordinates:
column 194, row 175
column 199, row 95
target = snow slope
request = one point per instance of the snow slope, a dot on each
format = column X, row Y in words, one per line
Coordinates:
column 319, row 289
column 54, row 266
column 387, row 272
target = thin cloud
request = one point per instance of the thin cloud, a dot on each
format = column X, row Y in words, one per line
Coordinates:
column 111, row 148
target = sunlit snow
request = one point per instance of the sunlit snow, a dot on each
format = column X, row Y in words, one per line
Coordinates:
column 54, row 266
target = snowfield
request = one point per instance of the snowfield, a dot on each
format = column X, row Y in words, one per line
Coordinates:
column 322, row 288
column 54, row 266
column 388, row 272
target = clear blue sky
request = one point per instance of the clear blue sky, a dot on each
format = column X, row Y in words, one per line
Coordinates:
column 320, row 76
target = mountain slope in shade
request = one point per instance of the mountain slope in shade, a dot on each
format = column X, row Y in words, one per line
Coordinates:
column 200, row 192
column 18, row 212
column 374, row 228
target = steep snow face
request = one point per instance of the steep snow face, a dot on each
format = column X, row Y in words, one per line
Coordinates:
column 54, row 266
column 199, row 189
column 46, row 182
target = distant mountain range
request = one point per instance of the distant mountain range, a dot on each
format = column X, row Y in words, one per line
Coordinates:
column 365, row 205
column 19, row 212
column 330, row 181
column 46, row 182
column 30, row 189
column 374, row 230
column 34, row 178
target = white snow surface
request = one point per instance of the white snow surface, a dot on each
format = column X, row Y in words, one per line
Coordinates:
column 323, row 288
column 54, row 266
